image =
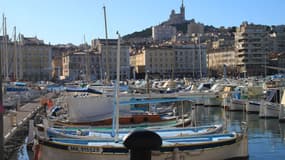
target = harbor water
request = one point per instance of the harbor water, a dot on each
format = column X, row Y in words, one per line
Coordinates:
column 265, row 136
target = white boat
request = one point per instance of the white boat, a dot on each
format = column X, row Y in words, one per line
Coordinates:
column 255, row 95
column 281, row 115
column 206, row 147
column 238, row 99
column 269, row 110
column 237, row 105
column 214, row 99
column 252, row 106
column 270, row 107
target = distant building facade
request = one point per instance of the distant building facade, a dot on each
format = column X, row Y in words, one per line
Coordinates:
column 81, row 65
column 26, row 59
column 218, row 58
column 165, row 61
column 109, row 57
column 57, row 55
column 253, row 44
column 190, row 60
column 278, row 35
column 163, row 33
column 36, row 55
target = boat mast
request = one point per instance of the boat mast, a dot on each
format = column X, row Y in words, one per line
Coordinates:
column 3, row 62
column 1, row 112
column 15, row 56
column 117, row 109
column 107, row 51
column 6, row 49
column 20, row 63
column 200, row 56
column 87, row 62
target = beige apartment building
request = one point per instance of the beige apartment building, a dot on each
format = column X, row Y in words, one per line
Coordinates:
column 190, row 60
column 157, row 61
column 108, row 51
column 278, row 36
column 36, row 55
column 57, row 55
column 27, row 59
column 252, row 44
column 221, row 53
column 162, row 33
column 81, row 65
column 218, row 58
column 10, row 60
column 170, row 60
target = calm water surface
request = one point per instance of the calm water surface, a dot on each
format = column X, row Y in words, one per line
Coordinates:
column 265, row 136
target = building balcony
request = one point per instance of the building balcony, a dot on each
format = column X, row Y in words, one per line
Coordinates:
column 243, row 50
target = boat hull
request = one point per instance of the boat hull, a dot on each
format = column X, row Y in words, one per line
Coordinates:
column 252, row 107
column 237, row 105
column 229, row 149
column 269, row 110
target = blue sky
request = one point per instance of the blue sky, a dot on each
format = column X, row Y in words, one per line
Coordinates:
column 67, row 21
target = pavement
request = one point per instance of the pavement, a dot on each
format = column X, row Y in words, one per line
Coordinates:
column 15, row 119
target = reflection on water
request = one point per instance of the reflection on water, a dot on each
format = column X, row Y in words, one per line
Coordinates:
column 22, row 153
column 266, row 136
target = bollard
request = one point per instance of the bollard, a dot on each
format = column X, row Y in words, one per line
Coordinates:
column 141, row 142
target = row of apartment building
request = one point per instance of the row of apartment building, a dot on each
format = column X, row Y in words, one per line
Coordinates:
column 249, row 52
column 180, row 60
column 26, row 59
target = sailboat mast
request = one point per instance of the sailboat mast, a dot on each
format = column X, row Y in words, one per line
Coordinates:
column 200, row 56
column 3, row 64
column 117, row 88
column 6, row 49
column 15, row 56
column 1, row 112
column 1, row 121
column 107, row 48
column 2, row 47
column 20, row 62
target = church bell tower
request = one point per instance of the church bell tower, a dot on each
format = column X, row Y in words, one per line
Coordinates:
column 182, row 10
